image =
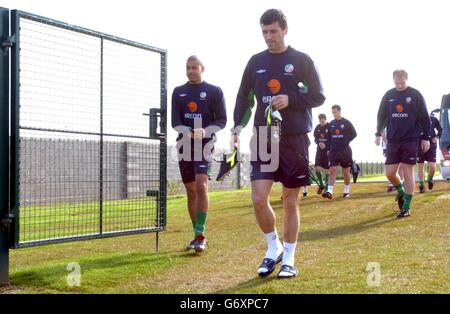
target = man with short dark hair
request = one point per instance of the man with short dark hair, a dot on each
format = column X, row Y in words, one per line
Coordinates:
column 198, row 112
column 403, row 113
column 286, row 85
column 321, row 163
column 340, row 133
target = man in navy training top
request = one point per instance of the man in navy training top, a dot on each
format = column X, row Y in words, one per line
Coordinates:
column 429, row 156
column 340, row 133
column 198, row 112
column 321, row 162
column 404, row 114
column 283, row 80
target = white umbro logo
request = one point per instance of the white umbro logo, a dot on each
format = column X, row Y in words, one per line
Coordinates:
column 261, row 71
column 301, row 177
column 183, row 95
column 391, row 100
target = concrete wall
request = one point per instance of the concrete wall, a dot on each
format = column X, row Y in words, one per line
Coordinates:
column 68, row 171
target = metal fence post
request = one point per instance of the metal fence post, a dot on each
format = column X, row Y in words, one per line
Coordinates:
column 4, row 148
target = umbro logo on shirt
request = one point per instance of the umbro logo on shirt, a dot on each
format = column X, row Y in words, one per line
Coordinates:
column 183, row 95
column 260, row 71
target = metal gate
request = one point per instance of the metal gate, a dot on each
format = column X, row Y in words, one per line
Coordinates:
column 88, row 133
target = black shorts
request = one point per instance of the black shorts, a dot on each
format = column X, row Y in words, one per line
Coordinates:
column 288, row 164
column 399, row 152
column 429, row 156
column 341, row 157
column 322, row 158
column 196, row 162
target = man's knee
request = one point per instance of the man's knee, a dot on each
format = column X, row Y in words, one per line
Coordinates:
column 259, row 200
column 201, row 187
column 290, row 202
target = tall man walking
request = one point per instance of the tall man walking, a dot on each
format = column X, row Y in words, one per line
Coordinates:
column 286, row 85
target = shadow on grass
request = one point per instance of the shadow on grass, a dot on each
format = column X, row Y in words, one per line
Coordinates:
column 315, row 235
column 53, row 276
column 249, row 285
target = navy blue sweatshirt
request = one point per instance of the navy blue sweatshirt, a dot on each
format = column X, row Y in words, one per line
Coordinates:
column 340, row 133
column 404, row 114
column 267, row 75
column 321, row 135
column 202, row 102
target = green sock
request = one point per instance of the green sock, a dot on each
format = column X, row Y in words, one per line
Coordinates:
column 193, row 225
column 400, row 189
column 200, row 226
column 407, row 203
column 422, row 184
column 430, row 178
column 326, row 180
column 319, row 178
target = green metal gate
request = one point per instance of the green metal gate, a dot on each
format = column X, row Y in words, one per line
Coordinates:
column 88, row 133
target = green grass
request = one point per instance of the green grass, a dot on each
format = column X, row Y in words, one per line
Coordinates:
column 338, row 239
column 41, row 222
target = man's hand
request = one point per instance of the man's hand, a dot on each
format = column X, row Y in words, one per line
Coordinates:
column 378, row 140
column 198, row 134
column 434, row 140
column 425, row 145
column 322, row 145
column 279, row 102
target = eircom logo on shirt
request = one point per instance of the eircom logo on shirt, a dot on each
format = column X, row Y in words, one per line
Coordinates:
column 274, row 87
column 192, row 107
column 399, row 112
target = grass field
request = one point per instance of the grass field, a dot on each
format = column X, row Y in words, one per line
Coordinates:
column 337, row 241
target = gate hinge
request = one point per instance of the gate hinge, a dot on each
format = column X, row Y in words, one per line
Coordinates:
column 9, row 42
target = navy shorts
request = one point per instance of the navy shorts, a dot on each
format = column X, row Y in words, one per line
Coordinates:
column 322, row 158
column 288, row 165
column 195, row 163
column 429, row 156
column 398, row 152
column 341, row 157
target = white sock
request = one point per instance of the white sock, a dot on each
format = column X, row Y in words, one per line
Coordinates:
column 330, row 189
column 347, row 188
column 274, row 246
column 289, row 253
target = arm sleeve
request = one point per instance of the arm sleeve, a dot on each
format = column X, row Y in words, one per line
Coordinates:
column 245, row 100
column 438, row 127
column 424, row 117
column 176, row 112
column 313, row 97
column 353, row 133
column 219, row 110
column 316, row 137
column 382, row 116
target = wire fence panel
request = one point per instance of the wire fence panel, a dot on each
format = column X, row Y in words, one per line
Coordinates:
column 83, row 162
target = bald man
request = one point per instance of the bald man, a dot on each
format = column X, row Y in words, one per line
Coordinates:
column 198, row 113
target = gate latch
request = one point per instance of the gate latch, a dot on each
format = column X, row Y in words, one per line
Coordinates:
column 9, row 42
column 7, row 220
